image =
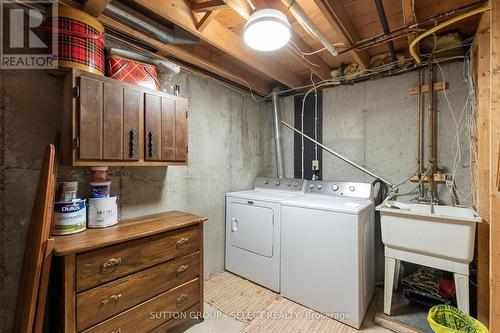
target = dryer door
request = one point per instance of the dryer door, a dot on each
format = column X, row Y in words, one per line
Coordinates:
column 252, row 228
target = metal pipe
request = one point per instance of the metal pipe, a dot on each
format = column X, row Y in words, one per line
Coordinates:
column 304, row 20
column 141, row 22
column 385, row 27
column 278, row 136
column 345, row 159
column 430, row 147
column 420, row 135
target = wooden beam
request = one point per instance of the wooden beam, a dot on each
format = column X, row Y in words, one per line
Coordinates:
column 95, row 7
column 494, row 151
column 242, row 7
column 208, row 6
column 339, row 20
column 178, row 12
column 205, row 20
column 314, row 63
column 409, row 17
column 482, row 56
column 197, row 56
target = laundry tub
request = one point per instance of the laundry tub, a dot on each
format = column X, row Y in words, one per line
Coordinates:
column 441, row 237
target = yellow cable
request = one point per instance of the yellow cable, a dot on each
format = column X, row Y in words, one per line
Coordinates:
column 439, row 27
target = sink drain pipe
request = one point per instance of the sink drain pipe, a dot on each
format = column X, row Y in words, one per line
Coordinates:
column 278, row 136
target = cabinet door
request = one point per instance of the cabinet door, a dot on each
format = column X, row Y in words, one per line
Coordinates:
column 167, row 129
column 113, row 122
column 152, row 112
column 132, row 112
column 90, row 119
column 181, row 134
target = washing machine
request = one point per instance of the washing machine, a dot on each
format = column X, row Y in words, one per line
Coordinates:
column 327, row 249
column 253, row 229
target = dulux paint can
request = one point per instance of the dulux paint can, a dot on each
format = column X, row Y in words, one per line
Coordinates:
column 70, row 217
column 103, row 212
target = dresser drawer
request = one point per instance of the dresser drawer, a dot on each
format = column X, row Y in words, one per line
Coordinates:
column 153, row 313
column 191, row 314
column 107, row 300
column 100, row 266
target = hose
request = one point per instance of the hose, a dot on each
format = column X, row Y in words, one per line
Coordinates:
column 441, row 26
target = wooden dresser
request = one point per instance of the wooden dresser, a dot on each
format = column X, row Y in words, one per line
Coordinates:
column 142, row 275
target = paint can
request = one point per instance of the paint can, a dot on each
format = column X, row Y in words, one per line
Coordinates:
column 103, row 212
column 100, row 189
column 66, row 191
column 98, row 173
column 70, row 217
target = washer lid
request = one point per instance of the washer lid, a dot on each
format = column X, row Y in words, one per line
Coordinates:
column 330, row 203
column 265, row 195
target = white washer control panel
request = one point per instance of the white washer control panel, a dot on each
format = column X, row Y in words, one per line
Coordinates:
column 349, row 189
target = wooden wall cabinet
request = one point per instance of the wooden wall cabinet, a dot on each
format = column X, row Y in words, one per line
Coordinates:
column 107, row 122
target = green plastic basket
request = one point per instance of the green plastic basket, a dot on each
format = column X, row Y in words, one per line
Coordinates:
column 447, row 319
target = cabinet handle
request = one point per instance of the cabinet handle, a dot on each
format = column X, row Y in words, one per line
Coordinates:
column 111, row 265
column 117, row 331
column 182, row 243
column 182, row 298
column 132, row 143
column 150, row 144
column 112, row 298
column 181, row 269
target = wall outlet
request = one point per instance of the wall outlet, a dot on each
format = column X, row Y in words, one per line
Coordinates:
column 315, row 164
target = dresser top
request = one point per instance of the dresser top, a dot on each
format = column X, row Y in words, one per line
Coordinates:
column 125, row 230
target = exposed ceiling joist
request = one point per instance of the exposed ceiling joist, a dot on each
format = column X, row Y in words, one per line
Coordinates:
column 409, row 17
column 178, row 12
column 95, row 7
column 314, row 63
column 208, row 6
column 242, row 7
column 339, row 20
column 197, row 56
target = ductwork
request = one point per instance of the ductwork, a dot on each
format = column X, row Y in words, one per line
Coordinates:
column 131, row 17
column 304, row 20
column 278, row 136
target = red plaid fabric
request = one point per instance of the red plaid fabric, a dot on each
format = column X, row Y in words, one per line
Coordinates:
column 131, row 71
column 79, row 43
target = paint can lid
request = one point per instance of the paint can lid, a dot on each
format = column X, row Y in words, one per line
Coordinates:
column 101, row 183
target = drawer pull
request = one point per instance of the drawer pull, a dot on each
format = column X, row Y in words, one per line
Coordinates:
column 182, row 269
column 111, row 265
column 112, row 298
column 182, row 243
column 182, row 298
column 117, row 331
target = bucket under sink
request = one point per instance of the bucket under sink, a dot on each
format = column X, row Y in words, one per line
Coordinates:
column 441, row 231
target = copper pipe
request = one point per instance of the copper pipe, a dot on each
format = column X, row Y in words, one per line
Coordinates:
column 420, row 135
column 430, row 147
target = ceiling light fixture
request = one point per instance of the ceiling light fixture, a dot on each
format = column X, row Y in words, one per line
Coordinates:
column 267, row 30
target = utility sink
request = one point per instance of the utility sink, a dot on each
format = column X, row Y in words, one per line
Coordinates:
column 445, row 232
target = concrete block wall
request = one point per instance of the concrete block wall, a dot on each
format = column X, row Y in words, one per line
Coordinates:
column 224, row 155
